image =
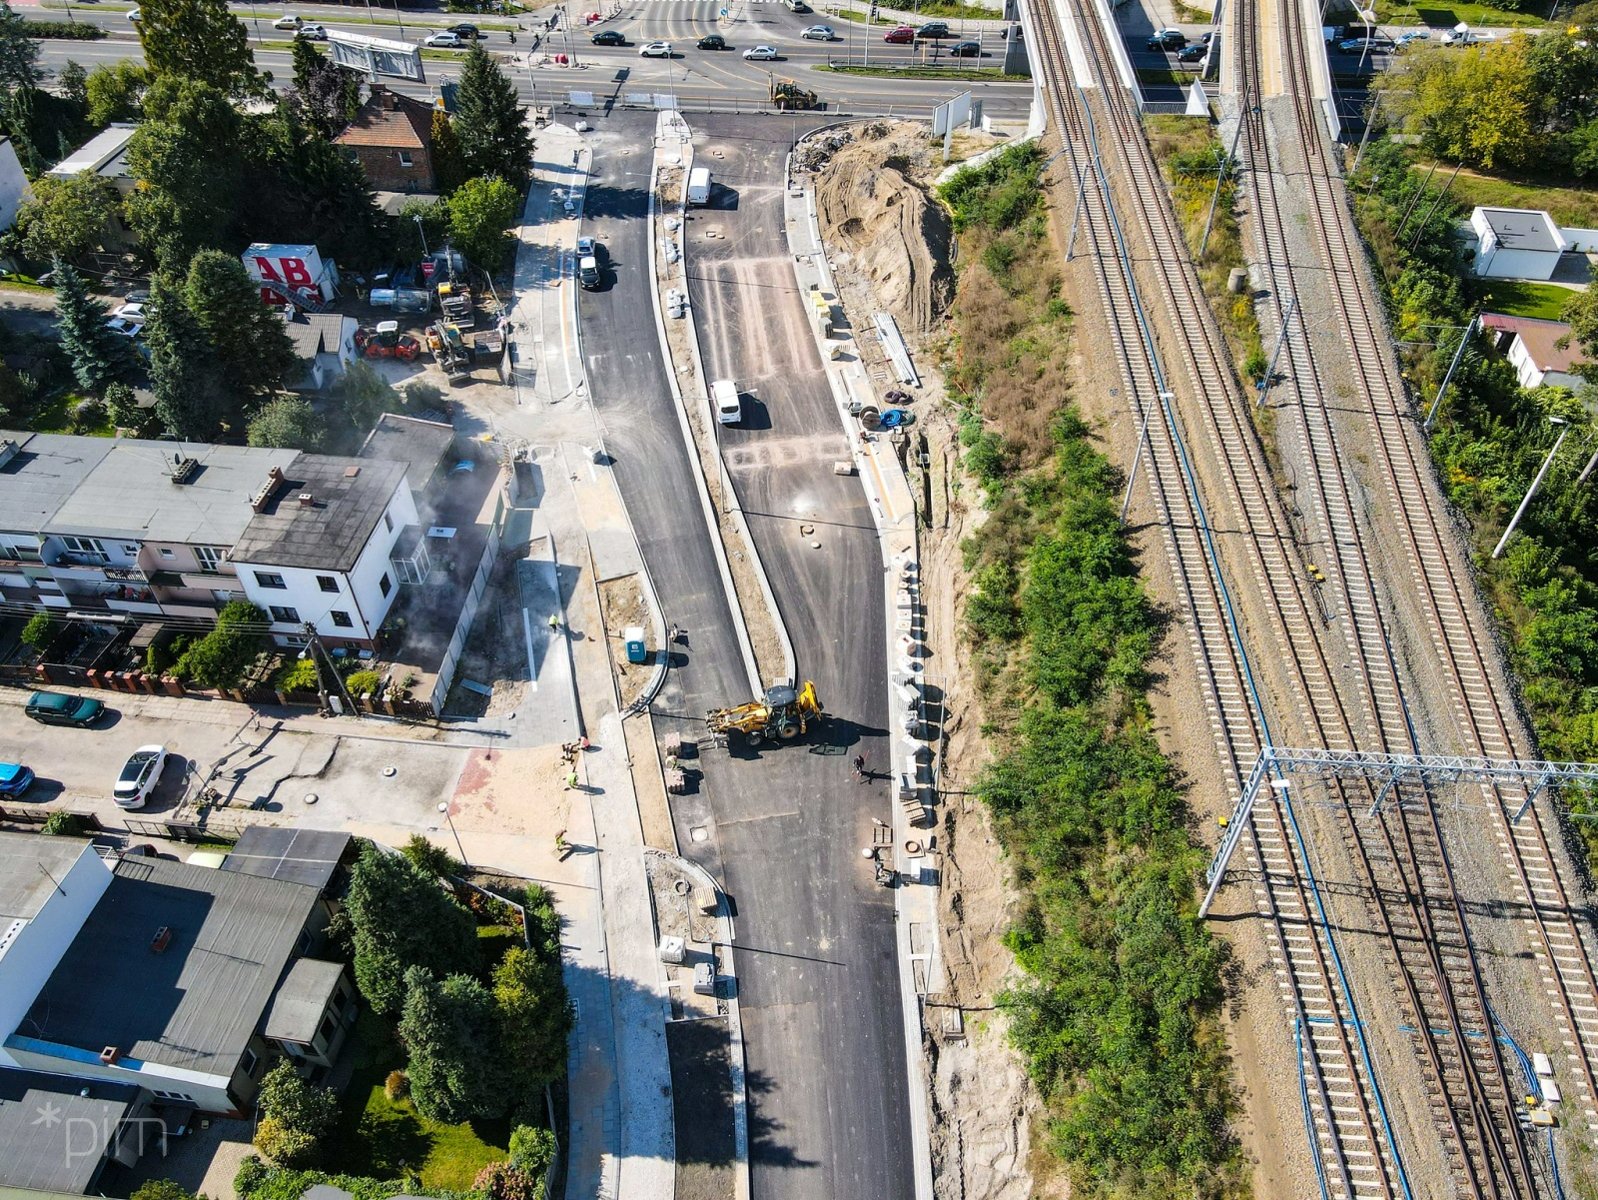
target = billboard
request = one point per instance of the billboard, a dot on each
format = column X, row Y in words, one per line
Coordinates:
column 296, row 269
column 376, row 56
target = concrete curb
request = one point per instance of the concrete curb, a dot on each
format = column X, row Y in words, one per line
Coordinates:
column 720, row 551
column 735, row 507
column 915, row 1081
column 735, row 1034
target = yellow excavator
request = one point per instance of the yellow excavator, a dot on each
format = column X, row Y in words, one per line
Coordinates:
column 782, row 715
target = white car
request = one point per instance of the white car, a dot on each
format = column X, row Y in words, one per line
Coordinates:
column 134, row 15
column 128, row 329
column 445, row 39
column 130, row 312
column 312, row 33
column 139, row 776
column 764, row 53
column 655, row 50
column 819, row 33
column 287, row 22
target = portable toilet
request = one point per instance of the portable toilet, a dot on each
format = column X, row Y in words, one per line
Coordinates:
column 637, row 651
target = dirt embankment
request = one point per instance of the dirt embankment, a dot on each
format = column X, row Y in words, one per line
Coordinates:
column 889, row 242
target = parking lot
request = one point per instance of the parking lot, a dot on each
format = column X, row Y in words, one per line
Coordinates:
column 263, row 766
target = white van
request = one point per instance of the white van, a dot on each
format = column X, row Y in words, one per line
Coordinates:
column 724, row 396
column 699, row 186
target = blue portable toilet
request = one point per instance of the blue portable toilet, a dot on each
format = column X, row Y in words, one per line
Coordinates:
column 637, row 651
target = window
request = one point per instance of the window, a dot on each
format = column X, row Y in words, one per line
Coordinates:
column 388, row 523
column 283, row 613
column 211, row 559
column 184, row 1097
column 326, row 1031
column 268, row 579
column 342, row 619
column 166, row 552
column 21, row 551
column 131, row 549
column 327, row 583
column 249, row 1062
column 405, row 158
column 383, row 585
column 91, row 547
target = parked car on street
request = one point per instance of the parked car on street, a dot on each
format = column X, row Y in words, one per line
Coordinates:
column 966, row 50
column 818, row 33
column 609, row 37
column 588, row 273
column 312, row 33
column 14, row 780
column 1166, row 39
column 57, row 708
column 1192, row 54
column 445, row 39
column 1360, row 45
column 713, row 41
column 1414, row 35
column 585, row 246
column 132, row 311
column 655, row 50
column 139, row 776
column 900, row 35
column 762, row 53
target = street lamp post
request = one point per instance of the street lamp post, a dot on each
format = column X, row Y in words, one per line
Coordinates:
column 1535, row 484
column 443, row 807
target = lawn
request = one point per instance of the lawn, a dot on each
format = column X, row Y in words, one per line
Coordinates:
column 1566, row 205
column 977, row 73
column 849, row 14
column 385, row 1139
column 1516, row 299
column 55, row 416
column 1447, row 16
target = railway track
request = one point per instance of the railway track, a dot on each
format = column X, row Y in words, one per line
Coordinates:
column 1341, row 1101
column 1453, row 610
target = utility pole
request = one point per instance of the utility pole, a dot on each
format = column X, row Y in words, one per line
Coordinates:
column 1459, row 353
column 1281, row 340
column 1535, row 484
column 1137, row 452
column 1220, row 176
column 313, row 647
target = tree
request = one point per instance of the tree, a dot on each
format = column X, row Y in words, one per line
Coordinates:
column 100, row 356
column 220, row 658
column 19, row 53
column 535, row 1019
column 73, row 81
column 491, row 122
column 126, row 414
column 39, row 632
column 1581, row 313
column 415, row 239
column 532, row 1148
column 449, row 168
column 163, row 1189
column 401, row 918
column 481, row 211
column 450, row 1033
column 187, row 158
column 66, row 218
column 201, row 40
column 326, row 94
column 113, row 91
column 251, row 345
column 430, row 859
column 288, row 423
column 192, row 395
column 296, row 1116
column 367, row 395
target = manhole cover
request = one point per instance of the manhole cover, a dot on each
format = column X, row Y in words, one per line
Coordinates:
column 390, row 771
column 699, row 834
column 311, row 797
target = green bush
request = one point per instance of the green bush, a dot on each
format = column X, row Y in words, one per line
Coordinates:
column 998, row 195
column 256, row 1180
column 61, row 823
column 434, row 860
column 220, row 658
column 163, row 1189
column 298, row 675
column 283, row 1144
column 39, row 632
column 72, row 31
column 362, row 683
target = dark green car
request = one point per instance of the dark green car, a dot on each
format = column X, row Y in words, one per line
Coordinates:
column 52, row 708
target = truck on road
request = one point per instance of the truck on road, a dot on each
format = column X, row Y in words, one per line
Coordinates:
column 698, row 186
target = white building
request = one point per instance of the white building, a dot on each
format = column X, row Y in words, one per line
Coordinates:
column 1533, row 349
column 13, row 184
column 318, row 549
column 1516, row 243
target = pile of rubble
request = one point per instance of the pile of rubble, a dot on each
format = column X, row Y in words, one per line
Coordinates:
column 815, row 152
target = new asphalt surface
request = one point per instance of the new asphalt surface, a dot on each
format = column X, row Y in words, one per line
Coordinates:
column 780, row 828
column 822, row 1025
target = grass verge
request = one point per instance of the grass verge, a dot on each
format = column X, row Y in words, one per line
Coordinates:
column 1545, row 301
column 849, row 14
column 974, row 73
column 1448, row 15
column 1117, row 1013
column 1566, row 205
column 1189, row 155
column 955, row 11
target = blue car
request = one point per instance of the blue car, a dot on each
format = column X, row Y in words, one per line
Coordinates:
column 14, row 780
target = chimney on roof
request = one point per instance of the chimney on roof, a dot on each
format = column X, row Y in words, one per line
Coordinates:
column 161, row 940
column 109, row 1055
column 8, row 451
column 307, row 500
column 274, row 480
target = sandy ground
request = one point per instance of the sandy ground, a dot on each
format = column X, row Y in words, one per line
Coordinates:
column 887, row 244
column 622, row 601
